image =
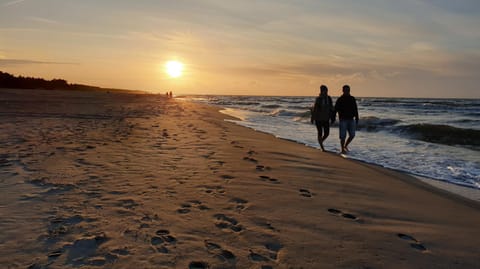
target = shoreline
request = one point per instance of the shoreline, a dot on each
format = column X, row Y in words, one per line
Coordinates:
column 456, row 189
column 161, row 183
column 465, row 192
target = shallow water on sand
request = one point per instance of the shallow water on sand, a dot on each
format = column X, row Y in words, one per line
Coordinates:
column 433, row 138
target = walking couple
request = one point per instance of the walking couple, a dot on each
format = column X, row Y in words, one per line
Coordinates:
column 324, row 114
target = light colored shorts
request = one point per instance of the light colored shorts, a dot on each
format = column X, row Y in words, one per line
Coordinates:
column 347, row 126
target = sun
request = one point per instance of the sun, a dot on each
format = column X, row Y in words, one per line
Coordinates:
column 174, row 68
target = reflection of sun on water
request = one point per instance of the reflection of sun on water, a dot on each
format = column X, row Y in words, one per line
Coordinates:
column 174, row 68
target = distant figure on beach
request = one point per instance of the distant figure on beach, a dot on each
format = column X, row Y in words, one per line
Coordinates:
column 346, row 107
column 322, row 113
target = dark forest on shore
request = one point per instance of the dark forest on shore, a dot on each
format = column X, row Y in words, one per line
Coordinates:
column 20, row 82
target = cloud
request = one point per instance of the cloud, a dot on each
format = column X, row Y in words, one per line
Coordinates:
column 42, row 20
column 11, row 3
column 9, row 62
column 457, row 6
column 453, row 68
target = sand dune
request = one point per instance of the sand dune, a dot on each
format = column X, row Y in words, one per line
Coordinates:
column 116, row 180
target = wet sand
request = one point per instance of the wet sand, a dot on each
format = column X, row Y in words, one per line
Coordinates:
column 119, row 180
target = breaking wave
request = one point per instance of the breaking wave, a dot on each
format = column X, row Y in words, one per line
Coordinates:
column 443, row 134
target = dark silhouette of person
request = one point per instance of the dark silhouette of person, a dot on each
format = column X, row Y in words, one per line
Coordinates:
column 346, row 107
column 322, row 113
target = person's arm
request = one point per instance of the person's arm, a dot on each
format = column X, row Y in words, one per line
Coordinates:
column 338, row 107
column 356, row 110
column 312, row 112
column 332, row 111
column 311, row 115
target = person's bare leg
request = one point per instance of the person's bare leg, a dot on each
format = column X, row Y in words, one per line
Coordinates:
column 320, row 139
column 342, row 145
column 324, row 138
column 348, row 142
column 326, row 133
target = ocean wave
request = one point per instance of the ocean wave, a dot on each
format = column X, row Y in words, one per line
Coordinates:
column 443, row 134
column 236, row 103
column 371, row 124
column 271, row 106
column 472, row 114
column 302, row 107
column 289, row 113
column 422, row 104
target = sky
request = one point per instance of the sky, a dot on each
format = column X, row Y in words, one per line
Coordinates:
column 381, row 48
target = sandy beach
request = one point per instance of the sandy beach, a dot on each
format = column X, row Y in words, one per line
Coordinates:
column 124, row 180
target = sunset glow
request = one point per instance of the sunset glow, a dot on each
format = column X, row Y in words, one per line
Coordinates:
column 429, row 49
column 174, row 68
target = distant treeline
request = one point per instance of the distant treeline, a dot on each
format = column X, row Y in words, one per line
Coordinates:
column 10, row 81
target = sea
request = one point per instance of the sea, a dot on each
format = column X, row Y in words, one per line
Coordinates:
column 437, row 139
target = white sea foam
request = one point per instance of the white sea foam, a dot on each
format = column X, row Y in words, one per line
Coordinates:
column 393, row 132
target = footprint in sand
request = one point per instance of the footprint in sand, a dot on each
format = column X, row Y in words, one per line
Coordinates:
column 127, row 203
column 414, row 243
column 220, row 253
column 269, row 254
column 185, row 208
column 227, row 177
column 225, row 222
column 262, row 168
column 253, row 256
column 342, row 214
column 121, row 251
column 188, row 206
column 305, row 193
column 250, row 159
column 239, row 203
column 269, row 179
column 84, row 251
column 213, row 189
column 236, row 144
column 273, row 249
column 208, row 155
column 161, row 240
column 60, row 226
column 165, row 133
column 221, row 163
column 215, row 166
column 199, row 205
column 55, row 254
column 198, row 265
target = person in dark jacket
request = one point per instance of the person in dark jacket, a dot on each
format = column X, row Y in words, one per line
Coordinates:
column 346, row 107
column 322, row 113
